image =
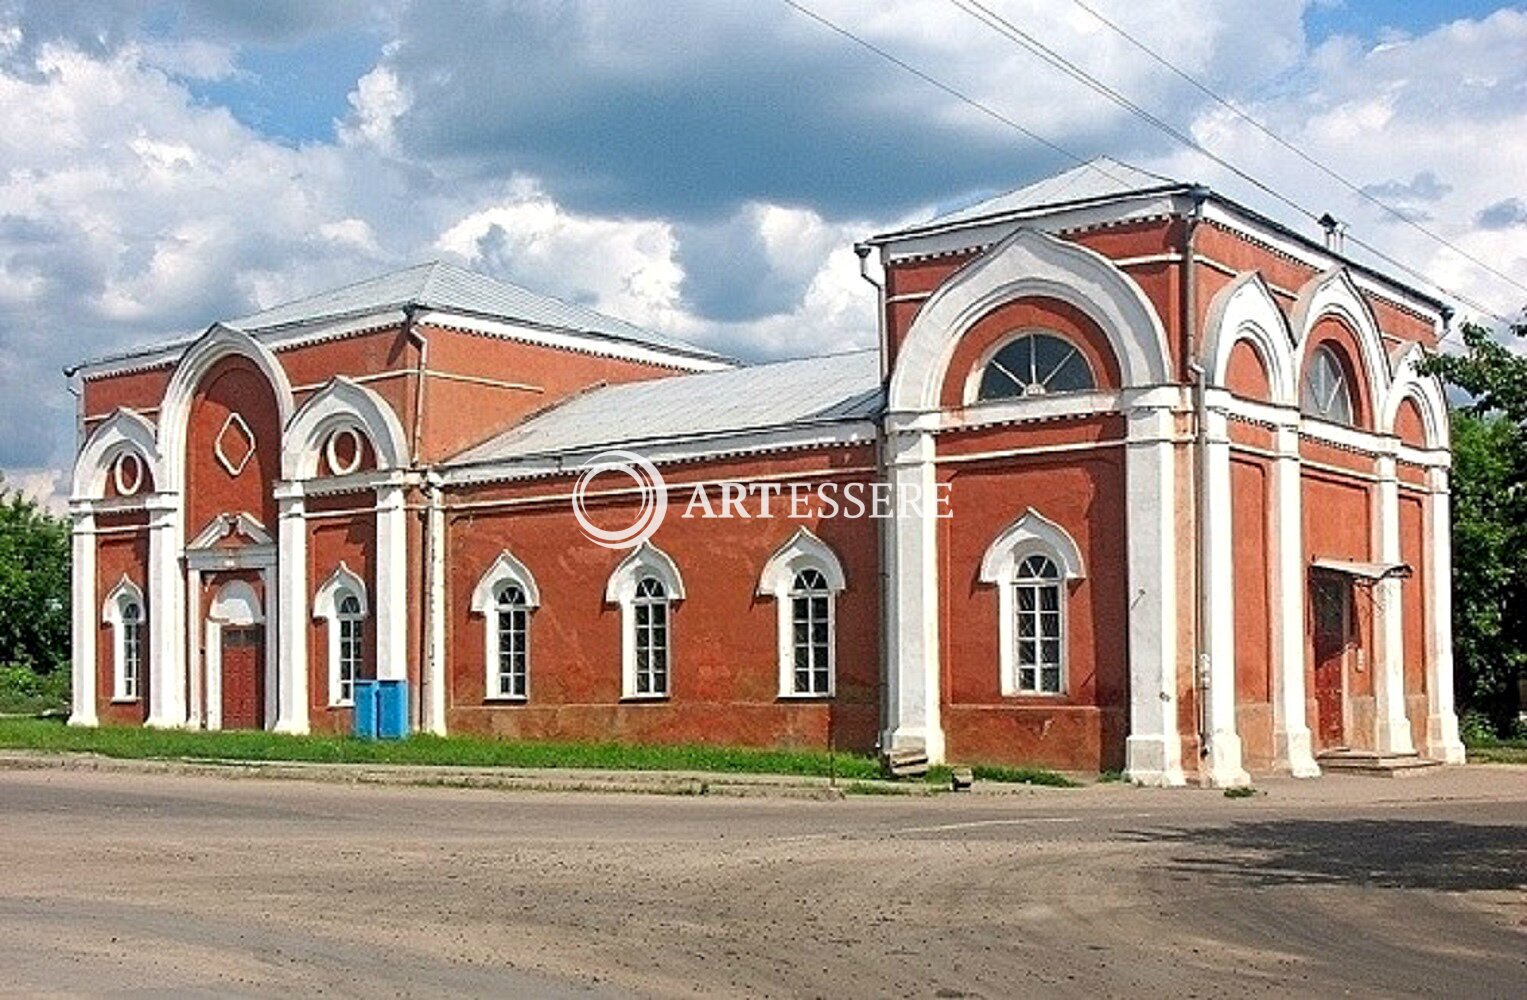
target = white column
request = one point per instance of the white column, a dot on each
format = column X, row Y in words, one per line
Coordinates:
column 1391, row 727
column 195, row 716
column 434, row 721
column 292, row 611
column 912, row 658
column 1442, row 740
column 83, row 618
column 1293, row 747
column 167, row 615
column 391, row 584
column 1222, row 764
column 272, row 664
column 1153, row 751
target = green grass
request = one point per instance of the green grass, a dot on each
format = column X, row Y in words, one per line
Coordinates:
column 23, row 692
column 1241, row 792
column 1021, row 776
column 1499, row 752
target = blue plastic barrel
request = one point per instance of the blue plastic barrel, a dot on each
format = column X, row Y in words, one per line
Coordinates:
column 392, row 710
column 366, row 709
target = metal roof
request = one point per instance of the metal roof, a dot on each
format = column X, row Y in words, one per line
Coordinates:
column 1101, row 177
column 825, row 389
column 443, row 286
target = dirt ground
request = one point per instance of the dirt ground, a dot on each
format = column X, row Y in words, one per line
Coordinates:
column 120, row 883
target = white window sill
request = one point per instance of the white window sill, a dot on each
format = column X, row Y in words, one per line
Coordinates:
column 805, row 696
column 644, row 697
column 506, row 699
column 124, row 701
column 1043, row 695
column 341, row 704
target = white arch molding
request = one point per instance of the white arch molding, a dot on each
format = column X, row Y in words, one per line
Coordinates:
column 643, row 561
column 1029, row 263
column 506, row 571
column 1425, row 390
column 341, row 405
column 1246, row 310
column 802, row 551
column 1332, row 293
column 125, row 431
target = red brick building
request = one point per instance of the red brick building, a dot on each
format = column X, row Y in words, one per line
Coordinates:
column 1196, row 493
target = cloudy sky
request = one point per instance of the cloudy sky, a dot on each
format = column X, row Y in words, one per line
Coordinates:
column 698, row 166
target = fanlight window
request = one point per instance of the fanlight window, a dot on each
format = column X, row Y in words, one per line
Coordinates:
column 1327, row 393
column 1033, row 364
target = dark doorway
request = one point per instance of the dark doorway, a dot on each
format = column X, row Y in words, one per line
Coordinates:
column 1331, row 604
column 243, row 677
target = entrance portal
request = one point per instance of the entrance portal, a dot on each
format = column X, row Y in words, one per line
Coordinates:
column 236, row 662
column 1331, row 603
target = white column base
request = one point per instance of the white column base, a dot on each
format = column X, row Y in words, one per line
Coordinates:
column 1392, row 736
column 1442, row 740
column 1295, row 752
column 290, row 727
column 930, row 741
column 1222, row 767
column 84, row 719
column 1148, row 761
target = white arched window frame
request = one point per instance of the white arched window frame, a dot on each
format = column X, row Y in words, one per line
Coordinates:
column 646, row 584
column 1032, row 361
column 341, row 602
column 1033, row 558
column 805, row 577
column 506, row 596
column 1327, row 392
column 124, row 612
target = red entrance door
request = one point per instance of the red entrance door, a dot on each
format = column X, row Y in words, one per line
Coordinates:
column 243, row 677
column 1331, row 600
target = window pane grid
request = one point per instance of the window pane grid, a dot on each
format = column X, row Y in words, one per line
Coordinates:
column 651, row 626
column 132, row 650
column 1037, row 613
column 811, row 634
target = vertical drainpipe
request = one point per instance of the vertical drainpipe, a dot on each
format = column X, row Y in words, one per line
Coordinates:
column 862, row 251
column 1198, row 376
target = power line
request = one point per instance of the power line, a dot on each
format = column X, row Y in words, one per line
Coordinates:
column 1000, row 24
column 1306, row 157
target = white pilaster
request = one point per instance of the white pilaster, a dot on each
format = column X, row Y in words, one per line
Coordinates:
column 292, row 611
column 1153, row 751
column 83, row 621
column 1442, row 740
column 196, row 708
column 1222, row 764
column 167, row 707
column 435, row 708
column 1391, row 727
column 391, row 584
column 912, row 695
column 1293, row 746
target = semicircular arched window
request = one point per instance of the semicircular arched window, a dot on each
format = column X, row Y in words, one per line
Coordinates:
column 1033, row 364
column 1327, row 392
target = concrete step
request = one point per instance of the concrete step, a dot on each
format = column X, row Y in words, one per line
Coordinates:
column 1374, row 764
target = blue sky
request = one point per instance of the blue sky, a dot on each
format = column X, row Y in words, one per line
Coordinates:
column 701, row 167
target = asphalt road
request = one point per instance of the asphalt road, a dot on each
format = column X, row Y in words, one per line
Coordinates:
column 166, row 884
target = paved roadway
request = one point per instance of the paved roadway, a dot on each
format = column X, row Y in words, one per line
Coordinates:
column 169, row 884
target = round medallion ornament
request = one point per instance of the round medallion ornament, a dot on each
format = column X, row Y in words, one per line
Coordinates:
column 344, row 451
column 127, row 472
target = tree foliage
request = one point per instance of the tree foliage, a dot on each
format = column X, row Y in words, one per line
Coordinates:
column 1489, row 483
column 34, row 585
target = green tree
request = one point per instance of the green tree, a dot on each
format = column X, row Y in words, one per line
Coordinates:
column 34, row 586
column 1489, row 484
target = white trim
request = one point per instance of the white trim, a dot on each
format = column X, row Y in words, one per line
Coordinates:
column 226, row 525
column 913, row 710
column 1246, row 310
column 83, row 626
column 693, row 359
column 1029, row 263
column 506, row 571
column 1425, row 390
column 961, row 236
column 1293, row 745
column 970, row 396
column 1332, row 293
column 644, row 561
column 237, row 423
column 1442, row 739
column 341, row 583
column 803, row 550
column 291, row 714
column 118, row 470
column 1030, row 535
column 124, row 431
column 1222, row 766
column 111, row 614
column 341, row 406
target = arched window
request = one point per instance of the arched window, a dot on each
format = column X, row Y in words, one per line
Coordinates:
column 123, row 611
column 804, row 577
column 651, row 639
column 1037, row 605
column 1032, row 564
column 512, row 625
column 646, row 584
column 1033, row 364
column 1327, row 393
column 351, row 647
column 342, row 601
column 811, row 633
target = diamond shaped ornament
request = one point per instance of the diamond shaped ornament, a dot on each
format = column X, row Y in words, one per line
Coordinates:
column 235, row 444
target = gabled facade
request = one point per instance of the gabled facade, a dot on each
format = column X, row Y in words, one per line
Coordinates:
column 1198, row 495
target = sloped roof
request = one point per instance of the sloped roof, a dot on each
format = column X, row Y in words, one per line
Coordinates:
column 439, row 285
column 810, row 390
column 1101, row 177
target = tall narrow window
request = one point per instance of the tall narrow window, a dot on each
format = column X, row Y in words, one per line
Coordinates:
column 811, row 632
column 513, row 627
column 1036, row 602
column 1327, row 393
column 651, row 623
column 132, row 649
column 352, row 624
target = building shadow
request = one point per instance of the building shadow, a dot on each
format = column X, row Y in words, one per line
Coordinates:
column 1400, row 854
